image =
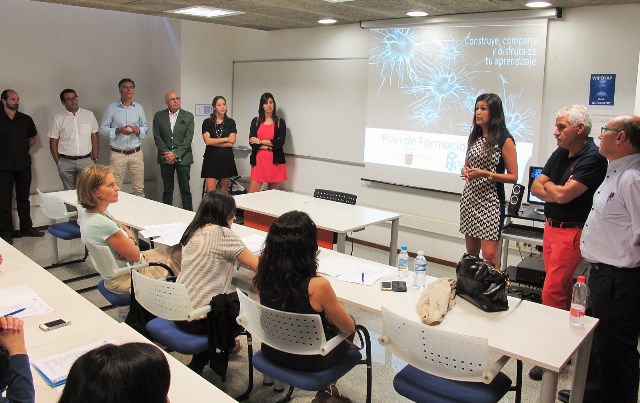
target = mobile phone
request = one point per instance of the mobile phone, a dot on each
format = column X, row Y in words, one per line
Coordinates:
column 399, row 286
column 385, row 285
column 54, row 324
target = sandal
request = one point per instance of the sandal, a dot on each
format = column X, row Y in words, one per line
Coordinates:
column 331, row 395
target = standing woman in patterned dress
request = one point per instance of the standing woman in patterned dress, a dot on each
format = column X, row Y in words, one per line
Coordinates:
column 266, row 137
column 490, row 151
column 219, row 134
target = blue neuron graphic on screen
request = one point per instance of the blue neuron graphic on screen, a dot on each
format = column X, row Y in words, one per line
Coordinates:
column 399, row 54
column 518, row 117
column 441, row 78
column 443, row 89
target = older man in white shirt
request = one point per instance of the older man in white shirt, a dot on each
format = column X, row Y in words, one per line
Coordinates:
column 611, row 243
column 73, row 139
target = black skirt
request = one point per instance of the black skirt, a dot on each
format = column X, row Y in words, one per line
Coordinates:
column 218, row 165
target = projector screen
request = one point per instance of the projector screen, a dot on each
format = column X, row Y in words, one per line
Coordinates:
column 422, row 87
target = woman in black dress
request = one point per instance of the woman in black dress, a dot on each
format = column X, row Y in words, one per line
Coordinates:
column 219, row 134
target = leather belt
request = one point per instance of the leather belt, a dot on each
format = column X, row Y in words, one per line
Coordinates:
column 560, row 224
column 125, row 152
column 608, row 267
column 71, row 157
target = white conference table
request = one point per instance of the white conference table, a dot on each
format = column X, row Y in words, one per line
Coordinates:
column 186, row 386
column 17, row 269
column 328, row 215
column 88, row 324
column 134, row 211
column 532, row 332
column 528, row 331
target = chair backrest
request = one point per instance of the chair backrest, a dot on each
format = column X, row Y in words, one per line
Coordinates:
column 346, row 198
column 162, row 298
column 293, row 333
column 104, row 262
column 437, row 352
column 52, row 206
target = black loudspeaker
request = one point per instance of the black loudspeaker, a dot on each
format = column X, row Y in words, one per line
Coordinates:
column 513, row 204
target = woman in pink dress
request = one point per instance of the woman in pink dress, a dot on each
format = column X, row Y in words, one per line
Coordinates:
column 267, row 136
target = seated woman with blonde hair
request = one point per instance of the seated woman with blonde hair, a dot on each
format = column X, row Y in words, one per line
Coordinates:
column 97, row 189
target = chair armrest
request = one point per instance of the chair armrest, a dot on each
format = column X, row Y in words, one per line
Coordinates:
column 332, row 343
column 121, row 271
column 164, row 266
column 199, row 312
column 494, row 369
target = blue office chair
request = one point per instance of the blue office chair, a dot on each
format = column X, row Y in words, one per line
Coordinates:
column 55, row 209
column 444, row 366
column 106, row 265
column 299, row 334
column 170, row 302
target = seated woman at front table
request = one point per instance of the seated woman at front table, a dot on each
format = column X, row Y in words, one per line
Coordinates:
column 288, row 280
column 219, row 134
column 266, row 138
column 209, row 252
column 96, row 190
column 128, row 373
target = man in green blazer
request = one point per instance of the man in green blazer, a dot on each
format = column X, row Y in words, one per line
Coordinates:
column 173, row 132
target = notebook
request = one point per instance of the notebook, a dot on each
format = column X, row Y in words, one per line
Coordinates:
column 54, row 369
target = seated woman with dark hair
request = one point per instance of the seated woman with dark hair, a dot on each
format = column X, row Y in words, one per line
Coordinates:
column 209, row 253
column 288, row 280
column 129, row 373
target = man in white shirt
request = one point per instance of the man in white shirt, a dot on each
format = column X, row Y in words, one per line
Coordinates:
column 73, row 139
column 611, row 243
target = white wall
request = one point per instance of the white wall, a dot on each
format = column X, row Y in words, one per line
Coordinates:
column 587, row 40
column 54, row 47
column 47, row 48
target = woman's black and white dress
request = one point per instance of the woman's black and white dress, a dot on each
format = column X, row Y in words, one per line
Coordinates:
column 482, row 202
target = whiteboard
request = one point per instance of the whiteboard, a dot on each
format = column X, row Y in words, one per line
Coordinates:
column 323, row 102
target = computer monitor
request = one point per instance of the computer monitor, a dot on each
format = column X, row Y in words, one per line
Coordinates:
column 534, row 172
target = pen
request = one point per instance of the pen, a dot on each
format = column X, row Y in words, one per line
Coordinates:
column 362, row 278
column 22, row 309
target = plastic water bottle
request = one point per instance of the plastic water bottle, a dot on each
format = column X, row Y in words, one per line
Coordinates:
column 403, row 262
column 420, row 270
column 578, row 302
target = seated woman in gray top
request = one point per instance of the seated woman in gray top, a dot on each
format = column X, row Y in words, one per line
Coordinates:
column 210, row 249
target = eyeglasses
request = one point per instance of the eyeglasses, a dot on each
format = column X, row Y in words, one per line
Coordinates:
column 71, row 99
column 603, row 130
column 174, row 99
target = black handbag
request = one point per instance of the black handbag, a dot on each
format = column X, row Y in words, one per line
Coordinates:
column 480, row 283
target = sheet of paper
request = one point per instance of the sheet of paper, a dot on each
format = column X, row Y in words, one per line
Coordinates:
column 353, row 271
column 255, row 243
column 56, row 367
column 22, row 296
column 166, row 234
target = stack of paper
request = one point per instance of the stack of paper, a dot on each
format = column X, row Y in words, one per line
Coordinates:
column 54, row 369
column 166, row 234
column 15, row 298
column 353, row 271
column 255, row 243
